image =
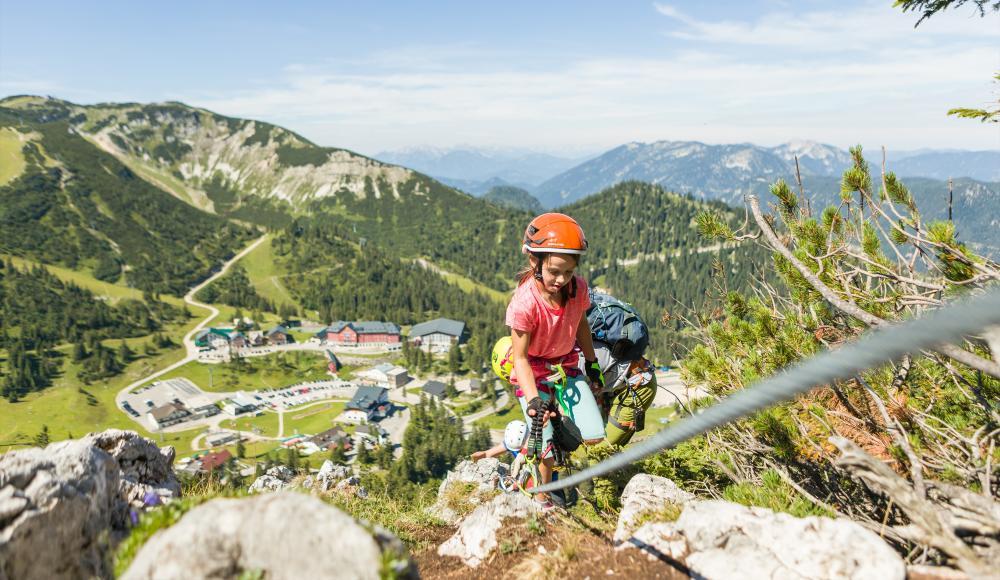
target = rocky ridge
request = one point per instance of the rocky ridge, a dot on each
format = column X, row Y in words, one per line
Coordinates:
column 79, row 494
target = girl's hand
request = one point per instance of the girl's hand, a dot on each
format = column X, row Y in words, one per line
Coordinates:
column 478, row 455
column 537, row 405
column 594, row 374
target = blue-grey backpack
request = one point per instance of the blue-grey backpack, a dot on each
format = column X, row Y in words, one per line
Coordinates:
column 619, row 325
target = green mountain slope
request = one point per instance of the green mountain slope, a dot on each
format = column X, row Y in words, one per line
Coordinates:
column 263, row 174
column 645, row 248
column 77, row 206
column 513, row 197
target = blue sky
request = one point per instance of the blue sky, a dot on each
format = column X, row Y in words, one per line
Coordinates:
column 565, row 77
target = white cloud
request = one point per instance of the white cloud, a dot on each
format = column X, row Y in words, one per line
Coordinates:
column 606, row 101
column 861, row 75
column 870, row 26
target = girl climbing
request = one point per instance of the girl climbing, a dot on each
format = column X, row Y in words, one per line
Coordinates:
column 549, row 331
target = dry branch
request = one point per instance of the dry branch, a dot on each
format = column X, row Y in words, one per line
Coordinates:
column 963, row 356
column 931, row 524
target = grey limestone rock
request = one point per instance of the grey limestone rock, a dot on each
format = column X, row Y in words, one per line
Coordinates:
column 59, row 509
column 277, row 478
column 279, row 535
column 330, row 474
column 143, row 466
column 647, row 493
column 334, row 471
column 477, row 534
column 718, row 539
column 485, row 474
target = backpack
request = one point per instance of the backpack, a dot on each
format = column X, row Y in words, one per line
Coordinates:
column 619, row 325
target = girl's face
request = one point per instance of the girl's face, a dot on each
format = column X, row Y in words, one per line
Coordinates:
column 557, row 271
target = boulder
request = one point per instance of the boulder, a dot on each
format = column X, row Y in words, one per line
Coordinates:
column 277, row 478
column 59, row 508
column 718, row 539
column 647, row 494
column 330, row 474
column 278, row 536
column 144, row 467
column 352, row 486
column 334, row 471
column 477, row 534
column 485, row 474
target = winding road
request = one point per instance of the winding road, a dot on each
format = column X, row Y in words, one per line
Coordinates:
column 192, row 350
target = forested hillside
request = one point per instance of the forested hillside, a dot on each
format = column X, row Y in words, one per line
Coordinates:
column 76, row 206
column 646, row 249
column 513, row 197
column 38, row 312
column 343, row 278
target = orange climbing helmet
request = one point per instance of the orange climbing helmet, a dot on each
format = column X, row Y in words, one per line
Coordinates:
column 554, row 232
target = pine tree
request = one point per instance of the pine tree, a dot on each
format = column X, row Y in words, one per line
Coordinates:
column 337, row 454
column 383, row 457
column 79, row 351
column 454, row 358
column 292, row 458
column 364, row 456
column 42, row 438
column 241, row 449
column 125, row 353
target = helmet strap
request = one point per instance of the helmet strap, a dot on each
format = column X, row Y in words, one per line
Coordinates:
column 538, row 266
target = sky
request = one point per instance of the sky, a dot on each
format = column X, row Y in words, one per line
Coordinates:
column 569, row 78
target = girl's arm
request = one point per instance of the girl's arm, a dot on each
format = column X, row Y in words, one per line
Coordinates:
column 494, row 451
column 585, row 340
column 522, row 368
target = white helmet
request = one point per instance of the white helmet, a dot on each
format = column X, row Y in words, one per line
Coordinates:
column 514, row 435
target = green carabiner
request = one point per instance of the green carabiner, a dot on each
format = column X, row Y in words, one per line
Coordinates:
column 560, row 389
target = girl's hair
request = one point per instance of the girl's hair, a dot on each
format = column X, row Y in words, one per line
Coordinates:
column 529, row 272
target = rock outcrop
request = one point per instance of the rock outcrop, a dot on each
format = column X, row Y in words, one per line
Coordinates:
column 719, row 539
column 279, row 536
column 277, row 478
column 646, row 496
column 330, row 474
column 452, row 502
column 477, row 534
column 143, row 467
column 59, row 508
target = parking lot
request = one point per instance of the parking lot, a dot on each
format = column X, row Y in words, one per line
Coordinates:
column 159, row 393
column 304, row 393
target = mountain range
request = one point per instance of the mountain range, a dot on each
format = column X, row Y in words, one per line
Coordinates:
column 476, row 169
column 728, row 172
column 243, row 174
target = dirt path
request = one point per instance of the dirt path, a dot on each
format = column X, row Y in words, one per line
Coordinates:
column 676, row 253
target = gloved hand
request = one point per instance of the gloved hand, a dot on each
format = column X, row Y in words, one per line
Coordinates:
column 538, row 406
column 594, row 374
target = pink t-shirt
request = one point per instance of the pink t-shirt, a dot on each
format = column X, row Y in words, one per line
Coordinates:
column 553, row 330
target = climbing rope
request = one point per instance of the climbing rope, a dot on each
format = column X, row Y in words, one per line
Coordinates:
column 944, row 325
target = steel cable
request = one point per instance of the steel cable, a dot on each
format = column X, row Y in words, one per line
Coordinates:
column 944, row 325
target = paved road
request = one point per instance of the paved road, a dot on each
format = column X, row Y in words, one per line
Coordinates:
column 672, row 389
column 192, row 350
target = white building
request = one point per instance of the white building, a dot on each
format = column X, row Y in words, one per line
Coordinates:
column 437, row 335
column 386, row 375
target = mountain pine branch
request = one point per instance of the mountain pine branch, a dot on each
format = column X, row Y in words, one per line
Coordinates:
column 965, row 357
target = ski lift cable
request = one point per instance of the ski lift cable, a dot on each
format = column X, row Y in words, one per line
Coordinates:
column 944, row 325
